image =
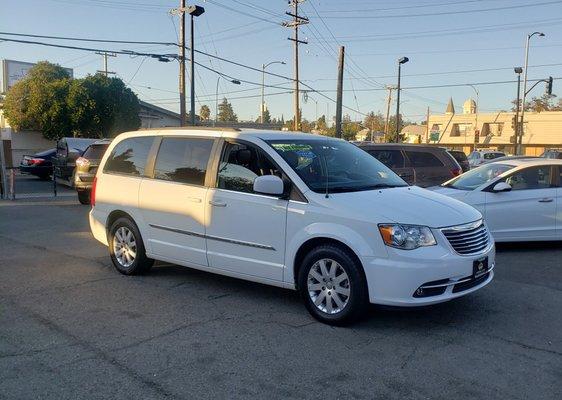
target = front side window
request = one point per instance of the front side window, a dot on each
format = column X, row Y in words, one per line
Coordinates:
column 240, row 164
column 335, row 165
column 530, row 178
column 474, row 178
column 129, row 156
column 95, row 151
column 423, row 159
column 390, row 158
column 183, row 160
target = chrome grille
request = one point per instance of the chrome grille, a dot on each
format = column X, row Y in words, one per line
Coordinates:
column 468, row 239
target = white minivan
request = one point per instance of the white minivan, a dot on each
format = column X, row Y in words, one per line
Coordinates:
column 294, row 210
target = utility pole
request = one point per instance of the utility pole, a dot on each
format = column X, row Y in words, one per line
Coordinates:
column 387, row 119
column 183, row 117
column 295, row 23
column 518, row 71
column 105, row 54
column 427, row 126
column 339, row 92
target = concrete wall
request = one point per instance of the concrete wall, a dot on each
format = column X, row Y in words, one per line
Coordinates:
column 26, row 142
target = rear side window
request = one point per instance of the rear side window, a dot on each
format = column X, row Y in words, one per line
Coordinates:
column 423, row 159
column 458, row 155
column 95, row 151
column 129, row 156
column 183, row 160
column 390, row 158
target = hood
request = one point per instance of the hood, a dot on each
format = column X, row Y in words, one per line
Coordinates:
column 407, row 205
column 451, row 192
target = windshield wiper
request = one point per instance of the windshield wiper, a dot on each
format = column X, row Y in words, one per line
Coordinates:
column 340, row 189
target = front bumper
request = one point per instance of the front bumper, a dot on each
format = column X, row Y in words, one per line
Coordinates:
column 443, row 274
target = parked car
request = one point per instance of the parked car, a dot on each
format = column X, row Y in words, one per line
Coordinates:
column 552, row 153
column 86, row 168
column 418, row 165
column 520, row 199
column 40, row 164
column 294, row 210
column 479, row 157
column 461, row 158
column 68, row 150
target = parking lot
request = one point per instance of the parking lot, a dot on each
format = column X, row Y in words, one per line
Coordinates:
column 72, row 327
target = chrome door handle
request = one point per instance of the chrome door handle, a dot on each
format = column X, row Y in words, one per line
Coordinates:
column 194, row 199
column 217, row 203
column 545, row 200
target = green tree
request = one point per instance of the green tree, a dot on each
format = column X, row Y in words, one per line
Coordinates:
column 204, row 112
column 38, row 101
column 321, row 124
column 226, row 112
column 102, row 107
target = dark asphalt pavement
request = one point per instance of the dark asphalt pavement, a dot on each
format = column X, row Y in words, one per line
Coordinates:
column 71, row 327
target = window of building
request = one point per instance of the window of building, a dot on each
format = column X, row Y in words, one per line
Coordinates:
column 183, row 160
column 460, row 129
column 492, row 128
column 129, row 156
column 423, row 159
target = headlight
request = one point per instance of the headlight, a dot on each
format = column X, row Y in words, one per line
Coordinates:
column 407, row 237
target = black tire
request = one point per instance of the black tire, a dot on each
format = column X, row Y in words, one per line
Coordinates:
column 141, row 263
column 84, row 197
column 44, row 177
column 358, row 298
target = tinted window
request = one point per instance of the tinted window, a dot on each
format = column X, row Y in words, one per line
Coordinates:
column 129, row 156
column 390, row 158
column 423, row 159
column 491, row 156
column 530, row 178
column 183, row 160
column 458, row 155
column 336, row 165
column 95, row 151
column 240, row 165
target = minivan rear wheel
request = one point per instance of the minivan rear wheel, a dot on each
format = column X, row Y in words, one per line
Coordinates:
column 332, row 285
column 127, row 248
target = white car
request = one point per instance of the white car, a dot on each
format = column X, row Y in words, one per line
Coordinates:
column 479, row 157
column 521, row 199
column 293, row 210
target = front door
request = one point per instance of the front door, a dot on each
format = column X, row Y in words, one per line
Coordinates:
column 245, row 230
column 528, row 210
column 172, row 201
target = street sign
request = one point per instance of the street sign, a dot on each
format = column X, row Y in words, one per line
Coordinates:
column 434, row 136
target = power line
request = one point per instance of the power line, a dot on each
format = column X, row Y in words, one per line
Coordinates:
column 242, row 12
column 408, row 7
column 431, row 14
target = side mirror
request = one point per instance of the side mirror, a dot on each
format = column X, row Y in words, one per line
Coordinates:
column 501, row 187
column 269, row 184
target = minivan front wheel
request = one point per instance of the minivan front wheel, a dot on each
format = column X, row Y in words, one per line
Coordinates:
column 332, row 285
column 127, row 249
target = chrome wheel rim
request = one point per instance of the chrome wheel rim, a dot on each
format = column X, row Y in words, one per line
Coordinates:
column 328, row 286
column 124, row 246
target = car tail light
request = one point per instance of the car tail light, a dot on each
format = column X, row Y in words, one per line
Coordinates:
column 456, row 171
column 93, row 192
column 35, row 161
column 82, row 162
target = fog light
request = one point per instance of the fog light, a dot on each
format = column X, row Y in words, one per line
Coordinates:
column 419, row 292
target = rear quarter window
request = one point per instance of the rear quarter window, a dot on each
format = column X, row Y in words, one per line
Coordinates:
column 95, row 151
column 423, row 159
column 129, row 156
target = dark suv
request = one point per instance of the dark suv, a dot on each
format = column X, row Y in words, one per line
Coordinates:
column 417, row 164
column 461, row 158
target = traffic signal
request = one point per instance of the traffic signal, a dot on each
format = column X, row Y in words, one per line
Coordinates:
column 549, row 85
column 514, row 123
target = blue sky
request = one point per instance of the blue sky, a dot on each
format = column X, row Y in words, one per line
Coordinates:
column 448, row 36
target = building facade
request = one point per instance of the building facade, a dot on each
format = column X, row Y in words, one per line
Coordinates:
column 493, row 130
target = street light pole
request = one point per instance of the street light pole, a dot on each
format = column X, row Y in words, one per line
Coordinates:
column 194, row 11
column 518, row 71
column 521, row 125
column 263, row 67
column 402, row 60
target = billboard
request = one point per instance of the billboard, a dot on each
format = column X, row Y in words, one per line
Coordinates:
column 13, row 71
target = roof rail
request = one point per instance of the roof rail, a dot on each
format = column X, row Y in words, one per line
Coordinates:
column 192, row 128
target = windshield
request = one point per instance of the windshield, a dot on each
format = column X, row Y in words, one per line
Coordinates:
column 472, row 179
column 335, row 165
